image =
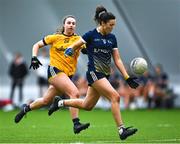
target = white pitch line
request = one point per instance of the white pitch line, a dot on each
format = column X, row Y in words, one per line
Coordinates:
column 166, row 140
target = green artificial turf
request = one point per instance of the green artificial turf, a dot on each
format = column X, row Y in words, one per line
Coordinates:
column 154, row 126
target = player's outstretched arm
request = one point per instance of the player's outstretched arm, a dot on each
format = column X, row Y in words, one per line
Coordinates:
column 70, row 50
column 119, row 64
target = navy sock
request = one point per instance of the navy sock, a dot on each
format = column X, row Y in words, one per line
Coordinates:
column 76, row 121
column 27, row 108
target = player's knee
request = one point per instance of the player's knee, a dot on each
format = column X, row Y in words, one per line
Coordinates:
column 115, row 97
column 45, row 101
column 74, row 94
column 88, row 108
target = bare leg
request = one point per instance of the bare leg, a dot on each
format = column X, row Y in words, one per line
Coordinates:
column 100, row 87
column 46, row 99
column 105, row 89
column 65, row 85
column 87, row 103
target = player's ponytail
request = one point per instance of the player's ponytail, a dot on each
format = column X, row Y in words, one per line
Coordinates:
column 59, row 30
column 102, row 15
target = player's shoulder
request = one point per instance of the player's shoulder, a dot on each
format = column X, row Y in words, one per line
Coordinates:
column 91, row 32
column 112, row 35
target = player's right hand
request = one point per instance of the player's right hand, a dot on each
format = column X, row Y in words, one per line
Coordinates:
column 132, row 83
column 35, row 63
column 68, row 52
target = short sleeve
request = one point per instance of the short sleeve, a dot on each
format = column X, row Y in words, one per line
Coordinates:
column 49, row 39
column 114, row 42
column 87, row 36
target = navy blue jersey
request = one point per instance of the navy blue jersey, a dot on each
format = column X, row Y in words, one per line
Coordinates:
column 99, row 50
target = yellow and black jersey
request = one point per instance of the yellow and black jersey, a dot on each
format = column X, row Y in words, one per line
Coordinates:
column 59, row 42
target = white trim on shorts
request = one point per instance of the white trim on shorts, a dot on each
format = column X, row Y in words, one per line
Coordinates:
column 93, row 75
column 53, row 73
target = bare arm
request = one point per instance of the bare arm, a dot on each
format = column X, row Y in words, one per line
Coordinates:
column 77, row 44
column 36, row 47
column 119, row 64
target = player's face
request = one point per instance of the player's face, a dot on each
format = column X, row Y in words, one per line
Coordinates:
column 108, row 27
column 69, row 26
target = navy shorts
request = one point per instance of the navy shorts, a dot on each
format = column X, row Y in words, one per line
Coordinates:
column 53, row 71
column 93, row 76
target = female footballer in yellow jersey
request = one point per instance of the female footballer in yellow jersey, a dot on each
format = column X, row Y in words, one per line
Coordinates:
column 59, row 43
column 60, row 70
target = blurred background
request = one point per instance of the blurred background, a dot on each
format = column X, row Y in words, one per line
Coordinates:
column 149, row 29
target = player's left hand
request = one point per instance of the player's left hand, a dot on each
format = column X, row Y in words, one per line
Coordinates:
column 35, row 63
column 132, row 83
column 68, row 52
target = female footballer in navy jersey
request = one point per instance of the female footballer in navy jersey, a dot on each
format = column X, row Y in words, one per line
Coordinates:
column 101, row 46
